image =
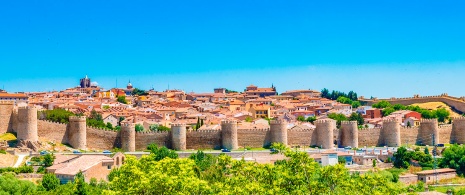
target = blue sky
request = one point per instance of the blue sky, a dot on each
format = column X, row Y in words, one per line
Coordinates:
column 381, row 49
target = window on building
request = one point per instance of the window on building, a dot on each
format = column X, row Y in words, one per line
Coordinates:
column 109, row 166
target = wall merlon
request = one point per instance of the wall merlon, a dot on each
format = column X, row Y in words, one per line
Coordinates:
column 178, row 124
column 278, row 122
column 429, row 120
column 348, row 122
column 6, row 102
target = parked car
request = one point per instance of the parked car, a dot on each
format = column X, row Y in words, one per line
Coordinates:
column 272, row 150
column 348, row 147
column 106, row 152
column 43, row 152
column 77, row 152
column 225, row 150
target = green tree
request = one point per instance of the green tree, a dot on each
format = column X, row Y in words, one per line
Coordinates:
column 387, row 111
column 139, row 128
column 49, row 158
column 161, row 153
column 325, row 93
column 454, row 157
column 357, row 117
column 56, row 115
column 50, row 181
column 139, row 92
column 338, row 118
column 311, row 119
column 426, row 150
column 442, row 114
column 341, row 160
column 109, row 125
column 122, row 99
column 374, row 162
column 301, row 118
column 248, row 119
column 356, row 104
column 382, row 104
column 81, row 185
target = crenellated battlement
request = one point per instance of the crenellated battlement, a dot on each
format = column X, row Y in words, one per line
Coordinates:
column 277, row 122
column 255, row 129
column 152, row 132
column 348, row 122
column 370, row 129
column 229, row 122
column 408, row 128
column 178, row 124
column 390, row 120
column 433, row 120
column 448, row 126
column 126, row 124
column 77, row 118
column 6, row 102
column 461, row 118
column 27, row 108
column 321, row 121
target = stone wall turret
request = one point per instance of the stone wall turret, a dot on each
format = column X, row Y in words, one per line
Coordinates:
column 458, row 130
column 6, row 111
column 178, row 136
column 429, row 127
column 229, row 134
column 77, row 132
column 324, row 132
column 349, row 133
column 278, row 130
column 27, row 124
column 128, row 137
column 391, row 133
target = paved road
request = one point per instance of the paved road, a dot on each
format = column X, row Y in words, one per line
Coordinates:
column 20, row 160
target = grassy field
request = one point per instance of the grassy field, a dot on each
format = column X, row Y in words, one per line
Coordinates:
column 436, row 105
column 7, row 137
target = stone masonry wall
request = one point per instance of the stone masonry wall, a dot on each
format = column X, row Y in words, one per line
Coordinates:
column 203, row 139
column 369, row 137
column 100, row 139
column 306, row 137
column 255, row 138
column 53, row 131
column 143, row 139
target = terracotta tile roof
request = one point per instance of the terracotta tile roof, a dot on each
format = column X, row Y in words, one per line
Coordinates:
column 82, row 163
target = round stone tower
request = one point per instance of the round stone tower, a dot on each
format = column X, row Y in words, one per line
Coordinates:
column 349, row 133
column 27, row 124
column 324, row 131
column 278, row 130
column 391, row 133
column 128, row 137
column 458, row 130
column 77, row 132
column 6, row 111
column 428, row 128
column 178, row 136
column 229, row 134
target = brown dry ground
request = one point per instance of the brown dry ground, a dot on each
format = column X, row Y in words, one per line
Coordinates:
column 436, row 105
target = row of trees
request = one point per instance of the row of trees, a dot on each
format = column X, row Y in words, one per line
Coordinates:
column 441, row 113
column 162, row 172
column 334, row 95
column 403, row 158
column 341, row 117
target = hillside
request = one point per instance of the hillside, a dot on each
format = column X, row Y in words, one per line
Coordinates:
column 436, row 105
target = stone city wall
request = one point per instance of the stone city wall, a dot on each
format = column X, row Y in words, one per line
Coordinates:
column 255, row 138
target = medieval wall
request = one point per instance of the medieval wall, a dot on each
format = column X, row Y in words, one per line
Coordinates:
column 445, row 134
column 56, row 132
column 6, row 111
column 204, row 139
column 409, row 135
column 255, row 138
column 101, row 139
column 456, row 103
column 143, row 139
column 305, row 137
column 369, row 137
